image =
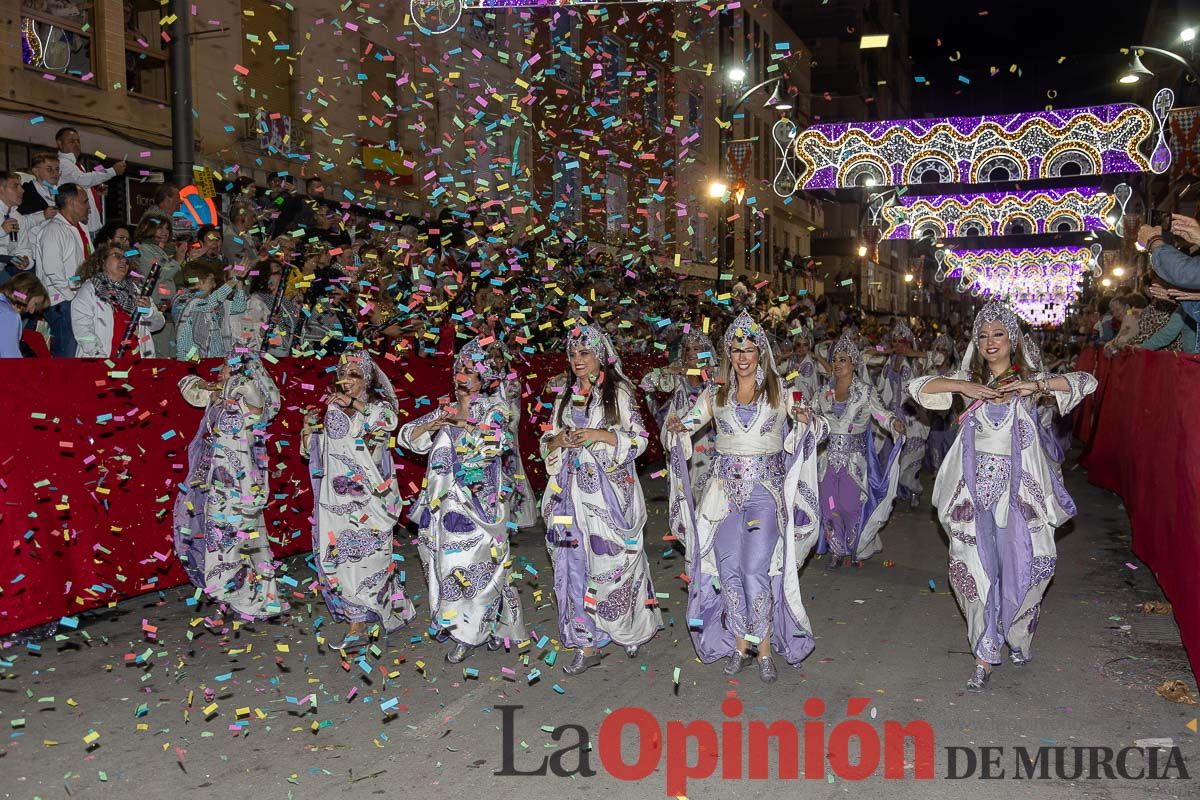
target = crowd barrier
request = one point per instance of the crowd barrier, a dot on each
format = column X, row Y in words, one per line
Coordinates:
column 92, row 454
column 1141, row 436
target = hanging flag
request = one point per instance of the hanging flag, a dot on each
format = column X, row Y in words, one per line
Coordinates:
column 1184, row 128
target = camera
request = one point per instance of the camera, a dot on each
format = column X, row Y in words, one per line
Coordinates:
column 1161, row 219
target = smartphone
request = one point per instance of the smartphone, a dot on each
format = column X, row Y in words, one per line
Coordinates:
column 1161, row 219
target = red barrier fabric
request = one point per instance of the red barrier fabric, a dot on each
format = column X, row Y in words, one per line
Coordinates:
column 1145, row 446
column 92, row 454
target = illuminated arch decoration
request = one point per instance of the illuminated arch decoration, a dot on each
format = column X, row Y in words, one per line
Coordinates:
column 442, row 16
column 1095, row 140
column 1039, row 282
column 991, row 213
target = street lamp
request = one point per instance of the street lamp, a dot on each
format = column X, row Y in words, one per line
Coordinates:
column 1187, row 34
column 736, row 76
column 1136, row 71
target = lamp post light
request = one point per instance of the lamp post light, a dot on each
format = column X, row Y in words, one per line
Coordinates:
column 736, row 75
column 1137, row 72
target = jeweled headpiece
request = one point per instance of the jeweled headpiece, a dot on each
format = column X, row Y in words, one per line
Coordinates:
column 744, row 328
column 702, row 343
column 997, row 311
column 847, row 344
column 474, row 358
column 901, row 331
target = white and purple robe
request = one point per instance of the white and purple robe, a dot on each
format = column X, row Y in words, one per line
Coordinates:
column 595, row 516
column 1000, row 497
column 356, row 506
column 462, row 516
column 682, row 396
column 753, row 528
column 896, row 374
column 857, row 483
column 220, row 537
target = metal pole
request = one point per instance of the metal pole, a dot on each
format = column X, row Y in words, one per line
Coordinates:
column 723, row 33
column 183, row 147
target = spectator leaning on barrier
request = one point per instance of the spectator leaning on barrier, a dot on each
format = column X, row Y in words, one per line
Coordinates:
column 20, row 297
column 1171, row 263
column 106, row 304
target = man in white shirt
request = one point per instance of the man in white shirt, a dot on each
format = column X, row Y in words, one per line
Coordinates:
column 16, row 251
column 63, row 244
column 69, row 150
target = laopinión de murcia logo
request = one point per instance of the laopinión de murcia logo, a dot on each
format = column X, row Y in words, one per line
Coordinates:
column 854, row 749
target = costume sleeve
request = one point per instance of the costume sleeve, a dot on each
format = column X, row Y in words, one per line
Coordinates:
column 408, row 439
column 552, row 456
column 191, row 387
column 880, row 413
column 1081, row 385
column 940, row 401
column 630, row 430
column 1176, row 267
column 380, row 419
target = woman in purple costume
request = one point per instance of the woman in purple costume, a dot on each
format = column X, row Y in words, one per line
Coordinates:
column 998, row 493
column 357, row 502
column 757, row 519
column 593, row 506
column 858, row 485
column 220, row 537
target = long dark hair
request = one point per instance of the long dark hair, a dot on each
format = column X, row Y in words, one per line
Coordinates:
column 610, row 384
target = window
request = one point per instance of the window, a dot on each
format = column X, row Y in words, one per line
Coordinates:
column 145, row 60
column 614, row 63
column 56, row 36
column 567, row 197
column 564, row 38
column 695, row 112
column 652, row 95
column 266, row 55
column 616, row 199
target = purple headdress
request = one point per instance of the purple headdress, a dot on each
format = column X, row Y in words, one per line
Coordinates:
column 994, row 311
column 593, row 337
column 474, row 358
column 744, row 330
column 702, row 343
column 357, row 361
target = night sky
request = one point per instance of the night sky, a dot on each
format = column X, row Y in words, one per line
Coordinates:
column 1032, row 35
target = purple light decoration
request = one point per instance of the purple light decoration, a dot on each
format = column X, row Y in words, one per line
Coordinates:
column 1094, row 139
column 1039, row 282
column 1086, row 209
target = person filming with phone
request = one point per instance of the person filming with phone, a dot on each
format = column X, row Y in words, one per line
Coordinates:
column 1170, row 262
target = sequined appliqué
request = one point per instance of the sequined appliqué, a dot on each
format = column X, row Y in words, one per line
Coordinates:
column 992, row 478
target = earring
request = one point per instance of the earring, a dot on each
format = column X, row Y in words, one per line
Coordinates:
column 759, row 376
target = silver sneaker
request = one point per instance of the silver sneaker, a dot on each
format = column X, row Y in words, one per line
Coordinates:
column 766, row 669
column 978, row 680
column 1018, row 659
column 631, row 651
column 460, row 653
column 581, row 663
column 735, row 662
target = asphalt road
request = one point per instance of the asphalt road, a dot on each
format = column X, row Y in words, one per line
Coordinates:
column 286, row 718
